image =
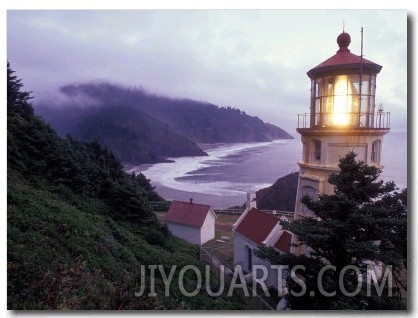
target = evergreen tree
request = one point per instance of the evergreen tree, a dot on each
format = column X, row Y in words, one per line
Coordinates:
column 362, row 224
column 36, row 151
column 17, row 99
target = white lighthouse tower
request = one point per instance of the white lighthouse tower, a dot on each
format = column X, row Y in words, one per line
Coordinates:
column 343, row 117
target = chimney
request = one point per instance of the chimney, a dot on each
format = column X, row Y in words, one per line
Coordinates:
column 191, row 200
column 251, row 201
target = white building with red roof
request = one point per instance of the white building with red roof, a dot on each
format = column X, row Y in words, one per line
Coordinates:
column 192, row 222
column 252, row 230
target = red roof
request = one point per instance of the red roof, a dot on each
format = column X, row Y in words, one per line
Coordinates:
column 257, row 225
column 187, row 213
column 344, row 59
column 283, row 243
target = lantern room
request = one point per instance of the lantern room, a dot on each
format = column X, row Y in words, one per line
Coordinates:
column 343, row 92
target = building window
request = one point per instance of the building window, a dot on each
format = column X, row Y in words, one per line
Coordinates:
column 316, row 150
column 375, row 155
column 249, row 258
column 313, row 194
column 305, row 152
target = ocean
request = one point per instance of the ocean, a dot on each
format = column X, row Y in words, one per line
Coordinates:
column 224, row 177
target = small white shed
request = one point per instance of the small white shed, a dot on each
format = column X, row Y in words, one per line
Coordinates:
column 192, row 222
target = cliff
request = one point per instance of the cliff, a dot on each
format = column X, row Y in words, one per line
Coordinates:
column 140, row 127
column 279, row 196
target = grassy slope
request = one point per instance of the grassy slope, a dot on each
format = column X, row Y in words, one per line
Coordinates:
column 63, row 253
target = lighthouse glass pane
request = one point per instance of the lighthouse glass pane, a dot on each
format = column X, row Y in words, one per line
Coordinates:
column 318, row 112
column 372, row 112
column 346, row 103
column 317, row 88
column 327, row 101
column 372, row 84
column 365, row 84
column 343, row 100
column 355, row 81
column 364, row 113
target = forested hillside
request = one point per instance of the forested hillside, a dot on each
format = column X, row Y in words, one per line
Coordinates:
column 279, row 196
column 141, row 127
column 79, row 228
column 134, row 136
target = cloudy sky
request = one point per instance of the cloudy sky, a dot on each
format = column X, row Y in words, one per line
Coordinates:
column 255, row 60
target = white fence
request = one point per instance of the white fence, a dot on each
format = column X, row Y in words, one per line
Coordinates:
column 236, row 211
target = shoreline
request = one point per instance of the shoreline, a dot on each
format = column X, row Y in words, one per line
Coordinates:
column 215, row 201
column 138, row 167
column 207, row 146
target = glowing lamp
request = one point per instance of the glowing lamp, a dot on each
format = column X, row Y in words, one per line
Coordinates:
column 343, row 101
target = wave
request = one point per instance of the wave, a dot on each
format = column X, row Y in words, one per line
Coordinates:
column 191, row 174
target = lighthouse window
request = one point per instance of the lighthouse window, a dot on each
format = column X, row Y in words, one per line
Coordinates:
column 312, row 193
column 375, row 151
column 316, row 150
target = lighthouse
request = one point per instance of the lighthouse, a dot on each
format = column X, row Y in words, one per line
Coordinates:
column 342, row 117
